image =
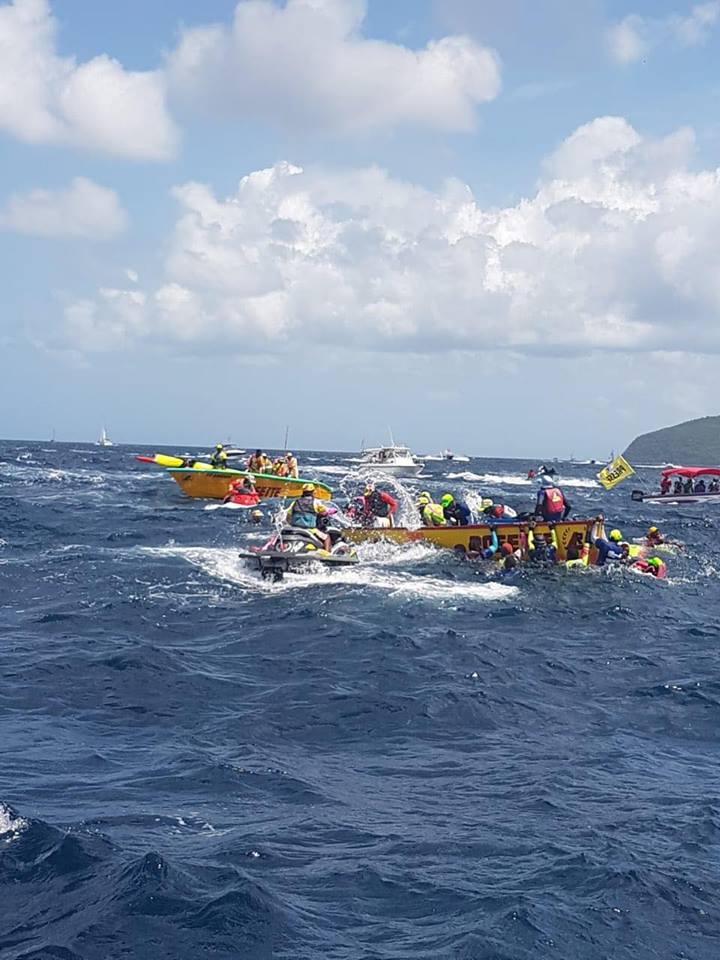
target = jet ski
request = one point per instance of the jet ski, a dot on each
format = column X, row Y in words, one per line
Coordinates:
column 293, row 549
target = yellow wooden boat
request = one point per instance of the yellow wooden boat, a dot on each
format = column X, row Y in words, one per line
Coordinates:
column 214, row 484
column 477, row 537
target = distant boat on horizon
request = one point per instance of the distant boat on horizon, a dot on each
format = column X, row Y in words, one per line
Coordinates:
column 104, row 440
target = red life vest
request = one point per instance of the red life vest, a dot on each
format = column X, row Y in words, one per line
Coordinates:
column 554, row 501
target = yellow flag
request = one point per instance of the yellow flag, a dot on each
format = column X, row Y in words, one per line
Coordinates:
column 615, row 473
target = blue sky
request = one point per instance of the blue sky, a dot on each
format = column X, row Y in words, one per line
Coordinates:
column 491, row 226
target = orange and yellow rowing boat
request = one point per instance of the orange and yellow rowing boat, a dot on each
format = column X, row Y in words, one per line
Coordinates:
column 477, row 537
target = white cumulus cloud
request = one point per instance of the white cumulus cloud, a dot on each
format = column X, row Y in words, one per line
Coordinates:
column 615, row 251
column 46, row 98
column 635, row 36
column 307, row 64
column 82, row 209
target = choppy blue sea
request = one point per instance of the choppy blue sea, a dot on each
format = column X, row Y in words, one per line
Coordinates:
column 404, row 759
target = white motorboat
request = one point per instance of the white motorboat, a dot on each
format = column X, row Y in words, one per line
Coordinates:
column 455, row 457
column 104, row 440
column 393, row 459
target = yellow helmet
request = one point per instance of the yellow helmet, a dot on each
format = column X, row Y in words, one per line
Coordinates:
column 308, row 488
column 615, row 536
column 653, row 530
column 423, row 500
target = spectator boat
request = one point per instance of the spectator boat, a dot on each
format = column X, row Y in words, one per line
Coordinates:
column 689, row 497
column 393, row 459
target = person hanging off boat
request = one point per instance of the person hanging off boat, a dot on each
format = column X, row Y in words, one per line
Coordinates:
column 431, row 513
column 611, row 547
column 376, row 507
column 509, row 558
column 577, row 553
column 497, row 511
column 552, row 504
column 456, row 512
column 541, row 549
column 242, row 491
column 653, row 566
column 280, row 468
column 219, row 459
column 307, row 512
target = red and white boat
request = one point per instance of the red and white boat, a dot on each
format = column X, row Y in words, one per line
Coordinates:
column 687, row 497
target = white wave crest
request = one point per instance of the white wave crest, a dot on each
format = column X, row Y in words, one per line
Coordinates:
column 515, row 480
column 224, row 564
column 10, row 825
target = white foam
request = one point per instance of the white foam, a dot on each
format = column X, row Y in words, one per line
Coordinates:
column 513, row 479
column 224, row 564
column 10, row 826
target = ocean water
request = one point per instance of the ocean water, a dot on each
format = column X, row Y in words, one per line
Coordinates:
column 405, row 759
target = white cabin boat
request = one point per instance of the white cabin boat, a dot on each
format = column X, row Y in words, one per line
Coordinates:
column 394, row 459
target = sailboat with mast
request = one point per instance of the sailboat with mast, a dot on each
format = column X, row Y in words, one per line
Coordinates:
column 104, row 440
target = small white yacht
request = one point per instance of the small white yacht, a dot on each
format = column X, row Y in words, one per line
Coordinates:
column 393, row 459
column 104, row 440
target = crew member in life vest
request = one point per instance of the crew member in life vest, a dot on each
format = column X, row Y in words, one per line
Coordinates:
column 653, row 565
column 431, row 513
column 378, row 508
column 292, row 466
column 304, row 514
column 218, row 461
column 457, row 513
column 509, row 558
column 665, row 485
column 242, row 491
column 552, row 504
column 258, row 463
column 280, row 468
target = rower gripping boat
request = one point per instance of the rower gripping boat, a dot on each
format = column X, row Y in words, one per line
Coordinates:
column 679, row 499
column 477, row 537
column 203, row 481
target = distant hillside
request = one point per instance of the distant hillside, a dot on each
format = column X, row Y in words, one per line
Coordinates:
column 695, row 442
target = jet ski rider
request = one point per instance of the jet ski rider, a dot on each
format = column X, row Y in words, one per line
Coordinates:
column 304, row 514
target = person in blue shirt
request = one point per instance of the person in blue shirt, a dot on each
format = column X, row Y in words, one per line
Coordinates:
column 456, row 512
column 609, row 548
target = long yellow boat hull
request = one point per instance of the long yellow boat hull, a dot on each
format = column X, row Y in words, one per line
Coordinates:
column 214, row 484
column 476, row 537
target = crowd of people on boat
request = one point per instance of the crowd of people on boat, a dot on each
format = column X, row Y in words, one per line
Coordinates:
column 259, row 462
column 684, row 486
